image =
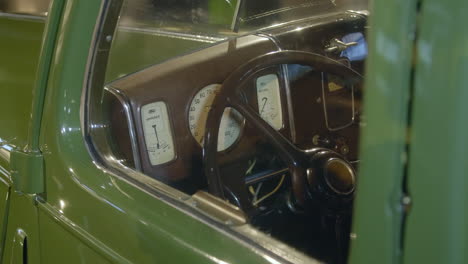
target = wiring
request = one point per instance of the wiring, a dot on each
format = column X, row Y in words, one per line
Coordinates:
column 249, row 171
column 256, row 202
column 256, row 191
column 251, row 188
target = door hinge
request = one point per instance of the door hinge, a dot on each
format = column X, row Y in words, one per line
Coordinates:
column 27, row 171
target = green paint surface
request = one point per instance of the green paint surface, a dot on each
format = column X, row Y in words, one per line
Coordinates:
column 104, row 217
column 19, row 53
column 436, row 230
column 22, row 217
column 5, row 187
column 377, row 222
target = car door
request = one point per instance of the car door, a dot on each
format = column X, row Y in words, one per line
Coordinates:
column 104, row 209
column 5, row 186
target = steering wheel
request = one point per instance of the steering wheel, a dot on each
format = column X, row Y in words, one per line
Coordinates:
column 319, row 176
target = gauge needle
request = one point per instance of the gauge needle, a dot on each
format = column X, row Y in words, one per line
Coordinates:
column 264, row 104
column 157, row 139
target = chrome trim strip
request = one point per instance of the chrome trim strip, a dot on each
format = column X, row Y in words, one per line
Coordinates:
column 5, row 154
column 23, row 16
column 177, row 35
column 221, row 209
column 5, row 178
column 271, row 38
column 131, row 125
column 5, row 150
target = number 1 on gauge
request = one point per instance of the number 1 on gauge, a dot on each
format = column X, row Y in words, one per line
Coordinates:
column 269, row 100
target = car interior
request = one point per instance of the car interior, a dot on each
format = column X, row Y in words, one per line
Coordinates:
column 267, row 120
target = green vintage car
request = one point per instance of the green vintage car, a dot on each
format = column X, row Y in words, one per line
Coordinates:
column 235, row 131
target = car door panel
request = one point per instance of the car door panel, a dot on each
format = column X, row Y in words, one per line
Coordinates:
column 5, row 187
column 19, row 51
column 22, row 226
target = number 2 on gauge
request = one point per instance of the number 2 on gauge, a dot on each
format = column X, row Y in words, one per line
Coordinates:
column 269, row 100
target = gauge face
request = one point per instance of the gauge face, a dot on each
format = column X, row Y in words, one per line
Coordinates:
column 157, row 132
column 269, row 100
column 231, row 122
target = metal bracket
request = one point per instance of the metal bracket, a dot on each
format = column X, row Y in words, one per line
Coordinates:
column 27, row 171
column 337, row 45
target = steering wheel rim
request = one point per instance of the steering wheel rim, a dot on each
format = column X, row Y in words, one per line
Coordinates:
column 230, row 96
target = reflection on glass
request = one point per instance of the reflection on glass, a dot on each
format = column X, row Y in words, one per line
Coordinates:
column 338, row 102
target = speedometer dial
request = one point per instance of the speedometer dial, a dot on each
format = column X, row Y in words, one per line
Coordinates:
column 231, row 122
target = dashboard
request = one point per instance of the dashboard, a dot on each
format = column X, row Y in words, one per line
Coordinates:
column 158, row 115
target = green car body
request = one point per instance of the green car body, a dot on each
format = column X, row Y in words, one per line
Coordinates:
column 58, row 205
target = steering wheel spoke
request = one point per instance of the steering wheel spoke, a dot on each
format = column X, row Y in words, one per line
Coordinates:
column 288, row 152
column 320, row 176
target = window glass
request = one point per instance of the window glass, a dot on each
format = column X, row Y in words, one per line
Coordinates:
column 258, row 14
column 156, row 30
column 256, row 103
column 151, row 31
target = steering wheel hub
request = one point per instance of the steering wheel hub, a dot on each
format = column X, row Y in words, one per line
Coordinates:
column 339, row 176
column 331, row 180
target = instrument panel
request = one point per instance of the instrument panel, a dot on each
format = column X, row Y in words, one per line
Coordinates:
column 298, row 103
column 158, row 133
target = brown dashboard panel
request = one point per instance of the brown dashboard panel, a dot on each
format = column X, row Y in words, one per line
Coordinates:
column 176, row 82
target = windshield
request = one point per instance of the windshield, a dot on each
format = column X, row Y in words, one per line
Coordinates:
column 259, row 14
column 225, row 17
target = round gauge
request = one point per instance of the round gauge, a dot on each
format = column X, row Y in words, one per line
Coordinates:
column 231, row 122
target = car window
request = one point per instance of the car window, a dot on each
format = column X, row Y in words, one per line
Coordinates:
column 257, row 14
column 253, row 109
column 156, row 30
